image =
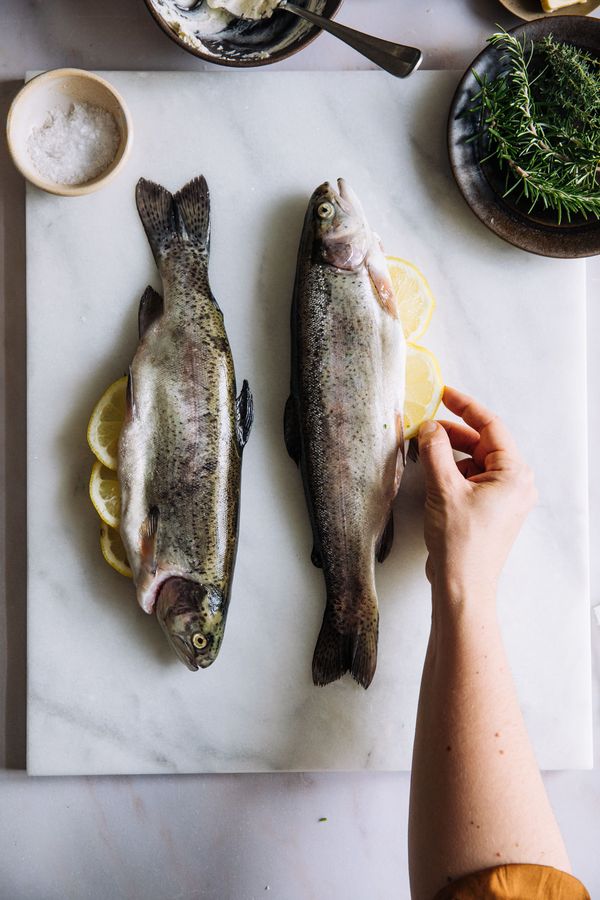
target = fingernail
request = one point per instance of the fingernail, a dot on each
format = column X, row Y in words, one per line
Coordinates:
column 427, row 429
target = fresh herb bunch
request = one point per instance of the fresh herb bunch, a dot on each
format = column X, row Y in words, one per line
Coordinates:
column 540, row 120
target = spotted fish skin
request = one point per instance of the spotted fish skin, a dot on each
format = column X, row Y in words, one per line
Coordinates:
column 180, row 451
column 344, row 420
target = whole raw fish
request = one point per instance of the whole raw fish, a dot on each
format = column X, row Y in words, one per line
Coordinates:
column 180, row 451
column 344, row 420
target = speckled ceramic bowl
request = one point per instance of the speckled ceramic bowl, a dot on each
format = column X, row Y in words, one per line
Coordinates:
column 220, row 38
column 58, row 88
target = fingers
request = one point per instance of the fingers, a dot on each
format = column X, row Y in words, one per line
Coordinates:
column 493, row 432
column 462, row 437
column 435, row 452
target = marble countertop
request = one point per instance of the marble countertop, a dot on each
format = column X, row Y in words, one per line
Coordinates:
column 210, row 837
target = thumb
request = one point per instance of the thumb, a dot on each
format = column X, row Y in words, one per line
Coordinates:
column 435, row 452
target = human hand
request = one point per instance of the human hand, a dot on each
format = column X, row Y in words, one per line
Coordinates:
column 474, row 509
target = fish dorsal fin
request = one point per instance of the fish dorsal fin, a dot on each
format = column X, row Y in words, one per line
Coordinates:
column 384, row 545
column 151, row 309
column 148, row 531
column 380, row 276
column 167, row 219
column 291, row 429
column 316, row 558
column 244, row 409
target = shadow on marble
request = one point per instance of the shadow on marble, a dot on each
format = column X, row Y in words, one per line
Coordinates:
column 79, row 517
column 491, row 14
column 13, row 605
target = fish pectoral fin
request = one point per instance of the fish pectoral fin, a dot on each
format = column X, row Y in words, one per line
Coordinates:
column 151, row 309
column 413, row 449
column 129, row 397
column 291, row 429
column 244, row 413
column 386, row 539
column 148, row 532
column 315, row 557
column 380, row 276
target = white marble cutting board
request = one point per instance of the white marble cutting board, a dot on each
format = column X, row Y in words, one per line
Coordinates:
column 105, row 693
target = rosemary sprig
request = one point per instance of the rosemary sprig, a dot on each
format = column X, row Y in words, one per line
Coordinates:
column 540, row 120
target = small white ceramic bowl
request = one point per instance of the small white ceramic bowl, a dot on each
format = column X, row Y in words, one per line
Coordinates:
column 59, row 88
column 532, row 9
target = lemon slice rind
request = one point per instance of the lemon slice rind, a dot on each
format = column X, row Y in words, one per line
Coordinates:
column 113, row 550
column 106, row 422
column 416, row 302
column 105, row 494
column 421, row 408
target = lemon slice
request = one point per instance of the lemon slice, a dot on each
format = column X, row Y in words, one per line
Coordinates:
column 106, row 422
column 105, row 494
column 424, row 388
column 415, row 300
column 113, row 550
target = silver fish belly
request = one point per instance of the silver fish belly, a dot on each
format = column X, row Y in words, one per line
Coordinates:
column 344, row 420
column 180, row 449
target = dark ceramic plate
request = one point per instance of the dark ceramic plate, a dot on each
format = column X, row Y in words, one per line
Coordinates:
column 482, row 185
column 238, row 43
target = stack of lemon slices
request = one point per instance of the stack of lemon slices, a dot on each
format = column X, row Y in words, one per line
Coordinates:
column 424, row 389
column 424, row 385
column 103, row 433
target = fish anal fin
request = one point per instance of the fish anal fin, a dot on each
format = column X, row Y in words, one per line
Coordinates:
column 380, row 276
column 148, row 533
column 315, row 557
column 291, row 429
column 151, row 309
column 386, row 539
column 244, row 411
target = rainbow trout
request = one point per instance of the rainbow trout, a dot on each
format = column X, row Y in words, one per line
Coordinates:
column 344, row 420
column 180, row 451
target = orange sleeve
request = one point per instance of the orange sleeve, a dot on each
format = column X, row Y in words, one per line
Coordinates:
column 519, row 881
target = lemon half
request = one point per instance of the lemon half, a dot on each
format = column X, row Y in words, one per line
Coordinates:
column 106, row 422
column 424, row 388
column 413, row 295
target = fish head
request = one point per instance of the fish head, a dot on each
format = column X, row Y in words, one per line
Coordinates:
column 192, row 616
column 342, row 236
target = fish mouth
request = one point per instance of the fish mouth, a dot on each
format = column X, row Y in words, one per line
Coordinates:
column 191, row 617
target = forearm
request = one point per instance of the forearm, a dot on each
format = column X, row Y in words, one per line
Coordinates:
column 477, row 798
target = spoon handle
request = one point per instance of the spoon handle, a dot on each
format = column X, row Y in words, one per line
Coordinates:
column 397, row 59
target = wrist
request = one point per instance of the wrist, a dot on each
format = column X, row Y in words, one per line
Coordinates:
column 456, row 594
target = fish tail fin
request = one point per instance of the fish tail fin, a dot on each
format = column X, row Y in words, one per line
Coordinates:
column 337, row 653
column 184, row 217
column 192, row 205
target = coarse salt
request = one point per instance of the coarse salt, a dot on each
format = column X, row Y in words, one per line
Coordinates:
column 75, row 145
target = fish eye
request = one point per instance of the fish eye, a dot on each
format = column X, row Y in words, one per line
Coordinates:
column 325, row 210
column 199, row 641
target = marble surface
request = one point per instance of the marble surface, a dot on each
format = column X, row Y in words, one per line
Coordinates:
column 215, row 837
column 256, row 708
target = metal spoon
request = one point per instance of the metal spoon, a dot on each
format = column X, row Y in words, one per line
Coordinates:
column 398, row 59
